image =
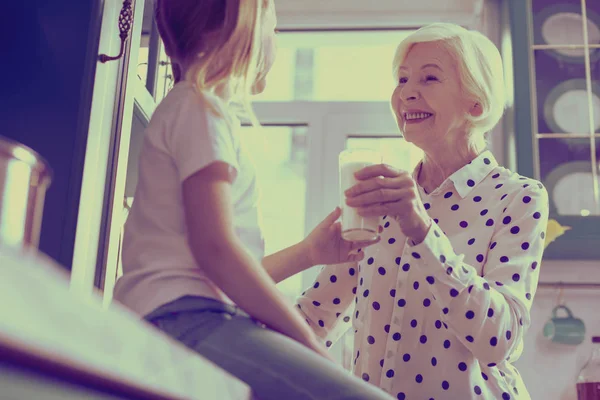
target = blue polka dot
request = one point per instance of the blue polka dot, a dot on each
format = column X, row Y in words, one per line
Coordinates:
column 406, row 267
column 426, row 303
column 506, row 396
column 508, row 335
column 477, row 199
column 416, row 285
column 434, row 361
column 370, row 339
column 453, row 292
column 392, row 241
column 419, row 378
column 445, row 385
column 470, row 314
column 470, row 183
column 470, row 339
column 494, row 341
column 423, row 339
column 447, row 344
column 396, row 336
column 416, row 255
column 316, row 285
column 351, row 271
column 430, row 280
column 370, row 260
column 445, row 310
column 390, row 373
column 406, row 357
column 401, row 396
column 462, row 366
column 490, row 313
column 447, row 195
column 484, row 376
column 477, row 390
column 336, row 301
column 393, row 292
column 413, row 323
column 398, row 259
column 401, row 303
column 316, row 303
column 438, row 324
column 381, row 271
column 376, row 305
column 387, row 328
column 333, row 278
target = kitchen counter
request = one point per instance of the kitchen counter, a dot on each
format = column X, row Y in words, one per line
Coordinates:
column 53, row 343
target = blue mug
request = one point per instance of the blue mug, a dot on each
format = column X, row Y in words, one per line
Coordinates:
column 564, row 330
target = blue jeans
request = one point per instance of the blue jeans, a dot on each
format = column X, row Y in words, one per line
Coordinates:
column 273, row 365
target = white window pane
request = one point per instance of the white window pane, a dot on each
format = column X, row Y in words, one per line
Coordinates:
column 279, row 153
column 346, row 66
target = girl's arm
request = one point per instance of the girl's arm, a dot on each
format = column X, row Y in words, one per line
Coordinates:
column 208, row 212
column 287, row 262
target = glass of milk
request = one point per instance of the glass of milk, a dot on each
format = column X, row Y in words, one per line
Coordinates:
column 356, row 228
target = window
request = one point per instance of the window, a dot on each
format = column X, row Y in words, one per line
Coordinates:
column 333, row 66
column 281, row 175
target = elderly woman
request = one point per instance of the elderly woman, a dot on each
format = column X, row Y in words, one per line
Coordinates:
column 441, row 304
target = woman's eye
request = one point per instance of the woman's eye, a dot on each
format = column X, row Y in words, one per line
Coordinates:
column 431, row 78
column 402, row 80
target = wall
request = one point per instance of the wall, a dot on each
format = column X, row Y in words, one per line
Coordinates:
column 550, row 370
column 49, row 53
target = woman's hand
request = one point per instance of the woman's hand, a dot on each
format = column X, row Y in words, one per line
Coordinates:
column 384, row 190
column 325, row 245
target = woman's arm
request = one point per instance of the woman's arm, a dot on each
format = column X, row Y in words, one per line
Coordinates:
column 208, row 212
column 490, row 313
column 326, row 305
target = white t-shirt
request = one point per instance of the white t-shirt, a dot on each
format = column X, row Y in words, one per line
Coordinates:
column 183, row 137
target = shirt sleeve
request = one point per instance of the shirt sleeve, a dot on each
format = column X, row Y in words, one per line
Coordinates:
column 490, row 313
column 327, row 304
column 198, row 135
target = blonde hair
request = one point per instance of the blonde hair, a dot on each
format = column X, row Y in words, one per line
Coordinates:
column 218, row 42
column 479, row 67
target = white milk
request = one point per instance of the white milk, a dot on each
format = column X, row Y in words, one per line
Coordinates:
column 354, row 227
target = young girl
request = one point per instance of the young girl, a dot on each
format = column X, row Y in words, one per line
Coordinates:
column 192, row 240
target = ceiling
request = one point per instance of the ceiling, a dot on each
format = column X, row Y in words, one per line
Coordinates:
column 323, row 14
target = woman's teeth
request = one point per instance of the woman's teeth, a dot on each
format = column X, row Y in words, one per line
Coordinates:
column 413, row 116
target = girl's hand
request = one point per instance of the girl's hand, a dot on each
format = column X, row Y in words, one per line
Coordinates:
column 325, row 244
column 384, row 190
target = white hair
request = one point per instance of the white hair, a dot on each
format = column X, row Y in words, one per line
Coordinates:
column 479, row 67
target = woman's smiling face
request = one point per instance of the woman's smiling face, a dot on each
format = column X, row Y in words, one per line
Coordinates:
column 428, row 100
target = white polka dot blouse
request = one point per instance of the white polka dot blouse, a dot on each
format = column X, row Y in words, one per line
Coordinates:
column 443, row 319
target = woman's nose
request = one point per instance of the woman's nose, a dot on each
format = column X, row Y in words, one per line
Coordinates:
column 409, row 93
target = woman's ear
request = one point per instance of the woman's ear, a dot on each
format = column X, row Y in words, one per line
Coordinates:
column 476, row 110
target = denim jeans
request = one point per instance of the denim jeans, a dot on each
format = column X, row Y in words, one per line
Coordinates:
column 273, row 365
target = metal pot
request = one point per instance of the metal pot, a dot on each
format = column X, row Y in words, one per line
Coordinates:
column 24, row 179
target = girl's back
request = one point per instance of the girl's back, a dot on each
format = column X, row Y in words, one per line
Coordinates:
column 186, row 133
